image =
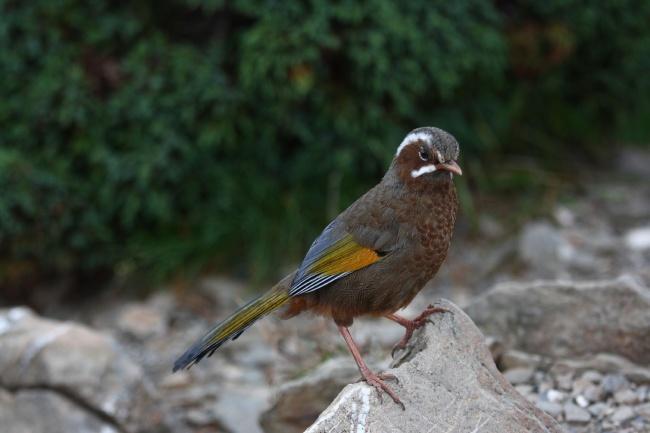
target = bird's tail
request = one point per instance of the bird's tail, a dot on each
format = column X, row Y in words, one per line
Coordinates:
column 233, row 326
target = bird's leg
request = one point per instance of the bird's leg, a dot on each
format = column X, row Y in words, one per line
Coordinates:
column 376, row 380
column 412, row 325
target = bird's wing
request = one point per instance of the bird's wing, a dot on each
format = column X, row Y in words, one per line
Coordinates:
column 333, row 255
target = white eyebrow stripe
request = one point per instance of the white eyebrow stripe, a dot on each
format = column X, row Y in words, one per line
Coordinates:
column 412, row 138
column 423, row 170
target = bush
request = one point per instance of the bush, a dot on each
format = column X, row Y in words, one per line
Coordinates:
column 153, row 135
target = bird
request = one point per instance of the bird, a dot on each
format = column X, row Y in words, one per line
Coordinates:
column 372, row 259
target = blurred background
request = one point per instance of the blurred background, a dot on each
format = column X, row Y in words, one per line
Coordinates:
column 161, row 162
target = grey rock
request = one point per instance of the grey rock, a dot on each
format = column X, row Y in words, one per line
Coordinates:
column 644, row 410
column 576, row 414
column 543, row 248
column 594, row 393
column 553, row 409
column 592, row 376
column 141, row 321
column 622, row 414
column 599, row 409
column 70, row 360
column 518, row 376
column 517, row 359
column 447, row 380
column 626, row 396
column 606, row 363
column 46, row 411
column 613, row 383
column 566, row 319
column 299, row 402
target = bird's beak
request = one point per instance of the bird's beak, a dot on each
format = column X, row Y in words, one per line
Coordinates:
column 451, row 166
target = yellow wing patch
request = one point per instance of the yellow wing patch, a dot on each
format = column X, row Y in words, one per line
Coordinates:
column 344, row 256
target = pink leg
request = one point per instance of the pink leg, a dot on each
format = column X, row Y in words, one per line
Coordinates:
column 412, row 325
column 376, row 380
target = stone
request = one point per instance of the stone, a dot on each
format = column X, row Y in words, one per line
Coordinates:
column 555, row 396
column 141, row 321
column 592, row 376
column 45, row 411
column 613, row 383
column 593, row 393
column 582, row 401
column 567, row 319
column 65, row 364
column 553, row 409
column 606, row 363
column 517, row 359
column 599, row 409
column 622, row 414
column 644, row 410
column 543, row 248
column 447, row 381
column 626, row 396
column 299, row 402
column 518, row 376
column 575, row 414
column 638, row 239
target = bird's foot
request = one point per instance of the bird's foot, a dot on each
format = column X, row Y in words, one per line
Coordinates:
column 412, row 325
column 377, row 381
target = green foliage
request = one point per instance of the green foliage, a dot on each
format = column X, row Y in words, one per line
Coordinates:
column 151, row 135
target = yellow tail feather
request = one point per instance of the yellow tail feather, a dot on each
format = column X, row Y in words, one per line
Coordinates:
column 233, row 326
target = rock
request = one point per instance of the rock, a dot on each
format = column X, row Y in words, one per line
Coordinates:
column 606, row 363
column 543, row 248
column 517, row 359
column 298, row 403
column 593, row 393
column 141, row 321
column 598, row 409
column 613, row 383
column 644, row 410
column 592, row 376
column 553, row 409
column 626, row 396
column 575, row 414
column 582, row 401
column 638, row 239
column 564, row 319
column 447, row 380
column 518, row 376
column 622, row 414
column 62, row 367
column 44, row 411
column 555, row 396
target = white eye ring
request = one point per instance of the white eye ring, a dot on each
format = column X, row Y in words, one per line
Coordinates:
column 424, row 155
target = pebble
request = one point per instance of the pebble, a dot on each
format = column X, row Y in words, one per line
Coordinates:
column 622, row 414
column 626, row 396
column 524, row 389
column 518, row 376
column 644, row 410
column 614, row 382
column 582, row 401
column 553, row 409
column 565, row 381
column 593, row 393
column 573, row 413
column 592, row 376
column 599, row 409
column 555, row 396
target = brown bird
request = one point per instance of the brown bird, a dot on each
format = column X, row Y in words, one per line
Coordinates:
column 373, row 258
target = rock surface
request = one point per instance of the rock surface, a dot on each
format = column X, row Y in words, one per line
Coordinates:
column 448, row 382
column 68, row 374
column 568, row 319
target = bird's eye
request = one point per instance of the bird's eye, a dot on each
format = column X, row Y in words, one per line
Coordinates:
column 424, row 155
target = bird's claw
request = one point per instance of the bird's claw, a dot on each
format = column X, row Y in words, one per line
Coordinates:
column 377, row 381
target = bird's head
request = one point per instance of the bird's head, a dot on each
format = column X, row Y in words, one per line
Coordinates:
column 426, row 153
